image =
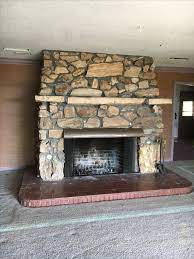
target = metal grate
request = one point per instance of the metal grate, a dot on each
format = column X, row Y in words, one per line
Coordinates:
column 94, row 156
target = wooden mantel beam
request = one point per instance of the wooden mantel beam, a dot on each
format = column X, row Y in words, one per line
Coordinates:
column 155, row 101
column 105, row 100
column 102, row 100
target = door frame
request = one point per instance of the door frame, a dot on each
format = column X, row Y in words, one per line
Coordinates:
column 175, row 87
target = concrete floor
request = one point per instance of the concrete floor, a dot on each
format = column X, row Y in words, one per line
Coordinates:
column 161, row 227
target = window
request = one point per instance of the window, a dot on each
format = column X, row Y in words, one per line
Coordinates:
column 187, row 109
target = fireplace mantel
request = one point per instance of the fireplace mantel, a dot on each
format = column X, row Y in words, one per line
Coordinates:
column 102, row 100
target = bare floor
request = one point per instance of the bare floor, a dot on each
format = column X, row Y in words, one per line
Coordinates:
column 160, row 227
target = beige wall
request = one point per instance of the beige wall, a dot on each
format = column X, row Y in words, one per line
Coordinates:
column 18, row 84
column 166, row 81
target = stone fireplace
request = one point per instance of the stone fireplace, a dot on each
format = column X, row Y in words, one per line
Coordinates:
column 98, row 114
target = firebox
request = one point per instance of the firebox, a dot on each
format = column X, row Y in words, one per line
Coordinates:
column 98, row 156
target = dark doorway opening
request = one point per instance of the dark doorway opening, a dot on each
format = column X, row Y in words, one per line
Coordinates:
column 184, row 142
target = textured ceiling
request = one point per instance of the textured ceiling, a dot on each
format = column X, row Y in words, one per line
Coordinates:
column 162, row 29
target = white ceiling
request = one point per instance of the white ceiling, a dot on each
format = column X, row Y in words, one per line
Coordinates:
column 162, row 29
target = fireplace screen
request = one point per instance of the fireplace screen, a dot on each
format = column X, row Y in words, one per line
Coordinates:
column 97, row 156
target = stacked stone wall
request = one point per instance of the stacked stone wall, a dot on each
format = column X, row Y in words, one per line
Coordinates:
column 78, row 74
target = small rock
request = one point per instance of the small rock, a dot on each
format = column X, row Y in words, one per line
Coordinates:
column 121, row 91
column 144, row 111
column 108, row 59
column 157, row 109
column 79, row 83
column 43, row 85
column 55, row 133
column 117, row 58
column 86, row 111
column 86, row 92
column 71, row 69
column 46, row 71
column 46, row 54
column 53, row 76
column 43, row 113
column 148, row 60
column 104, row 107
column 47, row 80
column 98, row 60
column 46, row 123
column 120, row 86
column 130, row 116
column 146, row 68
column 125, row 80
column 42, row 134
column 127, row 62
column 60, row 145
column 53, row 108
column 78, row 72
column 131, row 87
column 144, row 84
column 57, row 115
column 148, row 75
column 153, row 82
column 62, row 63
column 148, row 122
column 114, row 80
column 152, row 67
column 61, row 70
column 139, row 62
column 79, row 64
column 105, row 85
column 43, row 106
column 56, row 54
column 86, row 56
column 113, row 111
column 69, row 59
column 95, row 83
column 102, row 113
column 92, row 123
column 115, row 122
column 45, row 146
column 74, row 123
column 69, row 111
column 134, row 80
column 67, row 77
column 46, row 91
column 133, row 71
column 47, row 63
column 62, row 89
column 112, row 93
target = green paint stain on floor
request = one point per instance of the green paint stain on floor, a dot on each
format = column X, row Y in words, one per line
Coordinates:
column 100, row 217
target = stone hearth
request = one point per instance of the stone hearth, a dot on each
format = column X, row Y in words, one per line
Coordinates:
column 97, row 91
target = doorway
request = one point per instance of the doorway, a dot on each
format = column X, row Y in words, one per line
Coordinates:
column 183, row 122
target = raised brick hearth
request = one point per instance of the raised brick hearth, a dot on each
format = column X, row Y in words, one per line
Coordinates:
column 37, row 193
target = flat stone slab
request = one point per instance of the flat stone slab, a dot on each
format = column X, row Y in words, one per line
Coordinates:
column 105, row 69
column 34, row 192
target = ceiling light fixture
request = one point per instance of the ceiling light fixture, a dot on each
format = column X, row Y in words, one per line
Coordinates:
column 182, row 59
column 17, row 51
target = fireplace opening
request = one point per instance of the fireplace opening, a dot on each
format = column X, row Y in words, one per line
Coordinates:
column 98, row 156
